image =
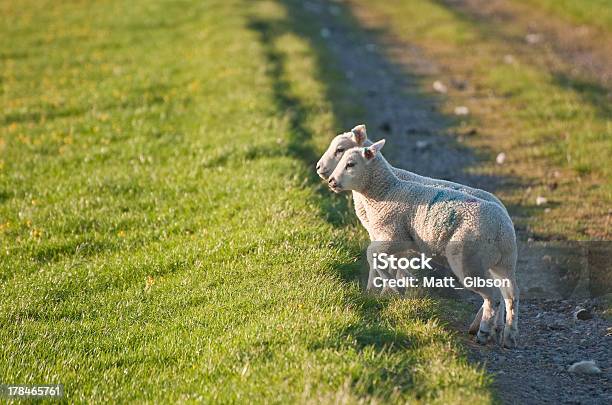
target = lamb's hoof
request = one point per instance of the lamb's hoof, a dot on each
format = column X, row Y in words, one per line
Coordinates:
column 482, row 337
column 499, row 335
column 510, row 338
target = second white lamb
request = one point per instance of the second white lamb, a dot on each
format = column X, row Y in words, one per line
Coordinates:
column 476, row 237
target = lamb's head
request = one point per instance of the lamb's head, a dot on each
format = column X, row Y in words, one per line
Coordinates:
column 352, row 172
column 337, row 147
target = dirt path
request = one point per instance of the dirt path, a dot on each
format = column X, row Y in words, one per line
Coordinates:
column 551, row 339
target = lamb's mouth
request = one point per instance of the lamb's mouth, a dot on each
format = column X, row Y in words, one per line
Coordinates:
column 324, row 175
column 336, row 189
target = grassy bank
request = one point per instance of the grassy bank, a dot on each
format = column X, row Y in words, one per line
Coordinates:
column 596, row 13
column 163, row 236
column 554, row 127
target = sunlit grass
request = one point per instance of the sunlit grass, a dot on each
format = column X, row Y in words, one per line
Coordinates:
column 162, row 234
column 591, row 12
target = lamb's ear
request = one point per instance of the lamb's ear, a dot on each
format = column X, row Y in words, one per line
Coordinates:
column 371, row 151
column 359, row 134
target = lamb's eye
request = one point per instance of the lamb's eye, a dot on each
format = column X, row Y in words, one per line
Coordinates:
column 350, row 164
column 339, row 150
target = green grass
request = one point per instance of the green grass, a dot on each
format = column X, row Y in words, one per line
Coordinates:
column 555, row 127
column 591, row 12
column 162, row 235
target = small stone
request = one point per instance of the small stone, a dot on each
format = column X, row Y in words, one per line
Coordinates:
column 541, row 200
column 546, row 258
column 582, row 314
column 440, row 87
column 370, row 47
column 501, row 158
column 422, row 144
column 325, row 33
column 509, row 59
column 584, row 367
column 533, row 38
column 462, row 110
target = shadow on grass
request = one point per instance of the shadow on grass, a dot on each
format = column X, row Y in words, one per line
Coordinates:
column 589, row 91
column 300, row 138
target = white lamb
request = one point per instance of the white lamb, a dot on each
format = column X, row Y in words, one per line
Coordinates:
column 475, row 236
column 358, row 137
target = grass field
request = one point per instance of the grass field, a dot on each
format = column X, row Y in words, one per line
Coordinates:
column 163, row 236
column 554, row 125
column 596, row 13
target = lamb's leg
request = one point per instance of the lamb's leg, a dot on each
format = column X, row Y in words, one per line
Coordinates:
column 390, row 248
column 464, row 262
column 499, row 321
column 475, row 325
column 373, row 273
column 486, row 329
column 510, row 293
column 511, row 299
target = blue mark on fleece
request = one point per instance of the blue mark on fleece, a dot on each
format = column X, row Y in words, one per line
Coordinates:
column 451, row 220
column 436, row 198
column 440, row 196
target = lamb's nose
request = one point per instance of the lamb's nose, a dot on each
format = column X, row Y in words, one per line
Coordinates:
column 332, row 182
column 318, row 166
